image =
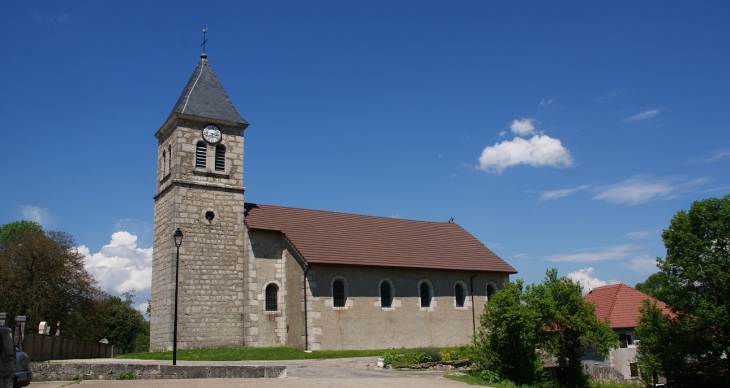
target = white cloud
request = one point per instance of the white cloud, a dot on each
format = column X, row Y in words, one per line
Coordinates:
column 546, row 104
column 36, row 214
column 554, row 194
column 521, row 256
column 502, row 133
column 642, row 264
column 595, row 254
column 121, row 266
column 540, row 150
column 586, row 280
column 523, row 127
column 714, row 157
column 640, row 234
column 643, row 115
column 644, row 188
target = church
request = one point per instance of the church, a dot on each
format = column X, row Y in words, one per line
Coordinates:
column 257, row 275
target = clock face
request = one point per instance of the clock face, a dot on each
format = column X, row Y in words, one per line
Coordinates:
column 211, row 134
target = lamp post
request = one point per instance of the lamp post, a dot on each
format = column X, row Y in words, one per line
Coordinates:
column 177, row 238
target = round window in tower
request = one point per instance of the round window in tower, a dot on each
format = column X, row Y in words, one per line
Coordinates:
column 209, row 215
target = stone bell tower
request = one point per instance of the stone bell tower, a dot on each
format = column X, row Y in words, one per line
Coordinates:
column 199, row 190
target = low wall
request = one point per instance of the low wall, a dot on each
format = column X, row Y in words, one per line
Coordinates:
column 70, row 371
column 47, row 347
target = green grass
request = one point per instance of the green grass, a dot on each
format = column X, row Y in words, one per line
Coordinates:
column 264, row 354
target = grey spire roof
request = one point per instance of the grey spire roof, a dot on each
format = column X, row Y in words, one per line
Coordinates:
column 204, row 96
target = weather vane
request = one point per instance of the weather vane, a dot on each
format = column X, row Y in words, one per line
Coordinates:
column 204, row 39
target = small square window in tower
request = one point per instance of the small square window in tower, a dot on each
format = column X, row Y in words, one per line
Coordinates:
column 200, row 151
column 272, row 292
column 459, row 294
column 220, row 158
column 338, row 293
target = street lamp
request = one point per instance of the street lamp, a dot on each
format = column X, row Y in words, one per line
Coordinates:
column 177, row 238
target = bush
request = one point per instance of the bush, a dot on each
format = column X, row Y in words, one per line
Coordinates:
column 126, row 375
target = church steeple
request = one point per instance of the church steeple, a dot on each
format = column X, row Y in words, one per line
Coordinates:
column 204, row 99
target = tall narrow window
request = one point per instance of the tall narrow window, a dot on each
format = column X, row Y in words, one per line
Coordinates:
column 200, row 151
column 386, row 299
column 272, row 291
column 164, row 163
column 425, row 294
column 220, row 158
column 338, row 293
column 490, row 291
column 459, row 295
column 169, row 159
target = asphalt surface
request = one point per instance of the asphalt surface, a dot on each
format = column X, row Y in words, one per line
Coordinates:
column 343, row 372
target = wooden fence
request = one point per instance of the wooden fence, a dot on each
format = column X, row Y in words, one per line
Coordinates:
column 47, row 347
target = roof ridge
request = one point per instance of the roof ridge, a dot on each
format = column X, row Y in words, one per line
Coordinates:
column 352, row 214
column 613, row 301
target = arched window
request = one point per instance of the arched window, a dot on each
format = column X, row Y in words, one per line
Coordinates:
column 338, row 293
column 272, row 291
column 425, row 291
column 200, row 151
column 386, row 296
column 459, row 294
column 490, row 291
column 164, row 163
column 220, row 158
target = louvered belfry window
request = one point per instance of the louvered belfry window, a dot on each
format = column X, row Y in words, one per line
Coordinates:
column 338, row 293
column 272, row 292
column 459, row 294
column 220, row 158
column 386, row 299
column 200, row 151
column 425, row 295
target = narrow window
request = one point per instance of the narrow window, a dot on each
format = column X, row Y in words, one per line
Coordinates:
column 338, row 293
column 169, row 159
column 425, row 295
column 459, row 294
column 490, row 291
column 272, row 292
column 164, row 163
column 220, row 158
column 386, row 299
column 200, row 154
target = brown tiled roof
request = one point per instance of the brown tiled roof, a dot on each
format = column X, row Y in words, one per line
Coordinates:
column 620, row 304
column 324, row 237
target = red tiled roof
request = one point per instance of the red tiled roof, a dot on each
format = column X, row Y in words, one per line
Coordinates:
column 620, row 304
column 324, row 237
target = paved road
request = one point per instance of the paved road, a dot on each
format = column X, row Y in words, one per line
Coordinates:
column 345, row 372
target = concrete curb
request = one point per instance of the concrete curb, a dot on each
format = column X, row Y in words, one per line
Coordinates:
column 110, row 371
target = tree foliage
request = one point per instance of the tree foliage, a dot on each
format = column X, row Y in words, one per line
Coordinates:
column 692, row 347
column 42, row 276
column 551, row 316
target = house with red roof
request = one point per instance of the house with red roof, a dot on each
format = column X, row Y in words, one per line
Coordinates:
column 619, row 304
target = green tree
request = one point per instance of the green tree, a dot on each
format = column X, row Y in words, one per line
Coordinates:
column 693, row 345
column 654, row 285
column 42, row 275
column 125, row 326
column 551, row 316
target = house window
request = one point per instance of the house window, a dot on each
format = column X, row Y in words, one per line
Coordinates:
column 272, row 291
column 338, row 293
column 625, row 340
column 459, row 294
column 634, row 369
column 200, row 151
column 490, row 290
column 386, row 296
column 220, row 158
column 425, row 291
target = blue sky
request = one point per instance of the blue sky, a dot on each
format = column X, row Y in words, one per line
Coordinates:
column 560, row 134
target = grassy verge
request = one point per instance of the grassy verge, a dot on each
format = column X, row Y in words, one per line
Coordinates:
column 264, row 354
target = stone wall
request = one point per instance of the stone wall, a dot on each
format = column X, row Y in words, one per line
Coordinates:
column 98, row 371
